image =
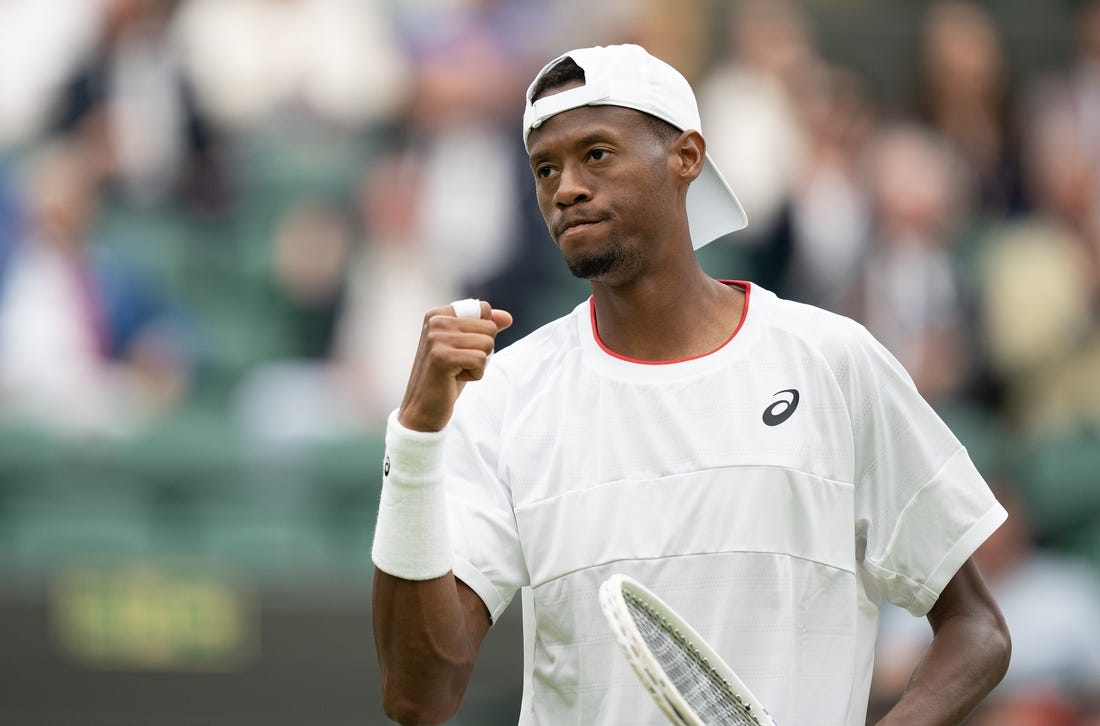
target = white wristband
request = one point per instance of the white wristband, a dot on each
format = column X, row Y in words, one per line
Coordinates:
column 411, row 539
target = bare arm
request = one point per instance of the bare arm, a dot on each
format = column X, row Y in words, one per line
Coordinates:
column 968, row 656
column 428, row 632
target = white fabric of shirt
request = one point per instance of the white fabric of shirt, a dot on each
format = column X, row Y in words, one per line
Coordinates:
column 568, row 463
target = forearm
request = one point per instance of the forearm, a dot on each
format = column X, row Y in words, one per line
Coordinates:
column 966, row 660
column 425, row 649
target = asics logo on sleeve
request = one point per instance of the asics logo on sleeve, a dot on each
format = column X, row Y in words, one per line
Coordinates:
column 782, row 409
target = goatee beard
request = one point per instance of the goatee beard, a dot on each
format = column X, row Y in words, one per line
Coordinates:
column 615, row 258
column 592, row 266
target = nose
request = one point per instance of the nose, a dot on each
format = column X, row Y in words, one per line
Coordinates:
column 572, row 186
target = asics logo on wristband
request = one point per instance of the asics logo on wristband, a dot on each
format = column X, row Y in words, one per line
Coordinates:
column 782, row 409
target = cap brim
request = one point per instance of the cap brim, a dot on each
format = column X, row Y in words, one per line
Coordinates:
column 713, row 209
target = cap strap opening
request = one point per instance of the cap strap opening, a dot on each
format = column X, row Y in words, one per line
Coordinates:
column 552, row 105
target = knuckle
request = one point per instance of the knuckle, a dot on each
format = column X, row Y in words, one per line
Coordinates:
column 438, row 316
column 433, row 338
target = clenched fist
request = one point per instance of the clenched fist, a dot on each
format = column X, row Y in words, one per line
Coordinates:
column 453, row 350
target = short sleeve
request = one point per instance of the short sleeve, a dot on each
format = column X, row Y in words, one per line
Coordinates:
column 484, row 535
column 921, row 507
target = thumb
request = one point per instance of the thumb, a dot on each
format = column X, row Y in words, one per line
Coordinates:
column 502, row 318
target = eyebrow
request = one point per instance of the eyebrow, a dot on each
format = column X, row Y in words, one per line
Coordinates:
column 589, row 138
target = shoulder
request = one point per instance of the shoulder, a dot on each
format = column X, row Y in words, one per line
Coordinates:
column 854, row 357
column 829, row 333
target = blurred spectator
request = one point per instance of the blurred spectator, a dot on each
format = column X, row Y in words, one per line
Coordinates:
column 132, row 99
column 371, row 297
column 1040, row 277
column 440, row 219
column 41, row 43
column 676, row 31
column 464, row 122
column 309, row 259
column 1086, row 73
column 532, row 31
column 910, row 293
column 964, row 94
column 830, row 210
column 10, row 215
column 86, row 345
column 750, row 108
column 393, row 282
column 295, row 395
column 337, row 61
column 1051, row 603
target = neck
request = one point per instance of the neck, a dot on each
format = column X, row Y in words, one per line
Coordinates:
column 670, row 317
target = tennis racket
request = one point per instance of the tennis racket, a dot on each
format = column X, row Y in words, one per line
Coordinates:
column 688, row 680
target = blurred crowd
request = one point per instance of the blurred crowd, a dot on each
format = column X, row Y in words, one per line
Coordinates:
column 246, row 206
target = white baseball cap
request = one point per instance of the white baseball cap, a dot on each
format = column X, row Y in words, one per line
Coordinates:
column 627, row 75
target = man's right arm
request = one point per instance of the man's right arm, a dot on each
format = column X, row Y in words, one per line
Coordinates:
column 428, row 625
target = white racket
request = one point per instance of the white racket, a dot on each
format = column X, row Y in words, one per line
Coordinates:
column 688, row 680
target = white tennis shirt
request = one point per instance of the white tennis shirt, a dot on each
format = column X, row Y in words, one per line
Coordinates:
column 772, row 492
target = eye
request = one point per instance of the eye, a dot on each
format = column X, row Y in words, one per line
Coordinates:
column 544, row 171
column 598, row 154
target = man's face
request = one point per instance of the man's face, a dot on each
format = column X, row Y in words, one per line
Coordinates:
column 603, row 185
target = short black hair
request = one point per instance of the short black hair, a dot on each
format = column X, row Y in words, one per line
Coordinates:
column 563, row 72
column 566, row 71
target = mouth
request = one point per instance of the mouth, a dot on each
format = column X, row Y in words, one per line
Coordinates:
column 577, row 226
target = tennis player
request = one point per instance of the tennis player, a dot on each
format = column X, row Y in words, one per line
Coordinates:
column 766, row 467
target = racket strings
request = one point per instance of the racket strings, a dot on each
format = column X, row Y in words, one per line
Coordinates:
column 703, row 688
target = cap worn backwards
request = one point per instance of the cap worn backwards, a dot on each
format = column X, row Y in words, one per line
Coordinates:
column 628, row 76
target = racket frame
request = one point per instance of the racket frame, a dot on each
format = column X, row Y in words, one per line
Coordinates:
column 612, row 594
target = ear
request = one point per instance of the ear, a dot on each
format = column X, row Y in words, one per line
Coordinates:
column 690, row 154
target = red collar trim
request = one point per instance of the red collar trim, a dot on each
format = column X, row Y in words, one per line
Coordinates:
column 746, row 286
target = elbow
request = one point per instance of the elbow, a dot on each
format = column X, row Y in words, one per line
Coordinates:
column 417, row 712
column 422, row 700
column 1002, row 643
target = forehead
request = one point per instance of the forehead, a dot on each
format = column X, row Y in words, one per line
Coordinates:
column 617, row 122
